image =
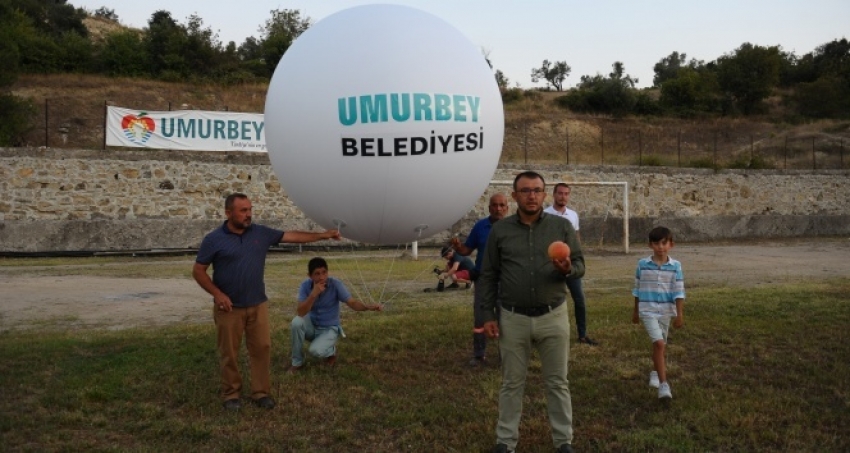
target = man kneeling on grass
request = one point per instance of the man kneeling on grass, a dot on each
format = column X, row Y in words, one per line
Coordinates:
column 317, row 317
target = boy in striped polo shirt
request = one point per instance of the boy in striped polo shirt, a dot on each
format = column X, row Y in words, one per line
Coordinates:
column 659, row 296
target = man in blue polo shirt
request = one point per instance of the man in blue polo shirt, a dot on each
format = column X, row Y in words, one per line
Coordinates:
column 317, row 315
column 237, row 251
column 476, row 241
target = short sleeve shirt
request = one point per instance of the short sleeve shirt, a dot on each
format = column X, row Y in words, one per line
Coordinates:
column 325, row 311
column 477, row 240
column 658, row 287
column 238, row 261
column 464, row 263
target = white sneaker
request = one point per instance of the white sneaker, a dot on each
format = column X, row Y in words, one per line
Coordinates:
column 664, row 391
column 653, row 380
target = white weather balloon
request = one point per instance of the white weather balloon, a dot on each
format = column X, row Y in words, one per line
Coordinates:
column 384, row 121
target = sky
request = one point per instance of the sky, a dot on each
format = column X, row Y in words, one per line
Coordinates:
column 589, row 35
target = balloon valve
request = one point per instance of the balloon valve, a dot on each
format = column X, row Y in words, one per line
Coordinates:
column 420, row 228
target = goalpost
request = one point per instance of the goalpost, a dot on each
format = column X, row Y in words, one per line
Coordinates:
column 625, row 189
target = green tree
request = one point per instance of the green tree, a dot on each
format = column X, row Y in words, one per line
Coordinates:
column 668, row 67
column 827, row 97
column 165, row 42
column 53, row 17
column 618, row 75
column 76, row 53
column 203, row 52
column 250, row 55
column 614, row 94
column 14, row 26
column 16, row 114
column 124, row 55
column 553, row 72
column 749, row 75
column 690, row 92
column 106, row 13
column 278, row 33
column 501, row 80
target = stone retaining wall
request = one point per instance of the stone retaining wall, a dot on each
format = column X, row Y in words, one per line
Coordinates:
column 57, row 200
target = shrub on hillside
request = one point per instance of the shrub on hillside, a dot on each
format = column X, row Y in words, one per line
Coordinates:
column 512, row 95
column 16, row 116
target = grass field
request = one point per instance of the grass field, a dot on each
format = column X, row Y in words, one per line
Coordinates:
column 756, row 368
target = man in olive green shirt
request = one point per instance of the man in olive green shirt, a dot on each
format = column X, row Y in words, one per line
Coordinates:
column 531, row 288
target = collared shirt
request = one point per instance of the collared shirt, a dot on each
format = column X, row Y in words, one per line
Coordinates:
column 568, row 214
column 325, row 310
column 517, row 268
column 238, row 261
column 658, row 287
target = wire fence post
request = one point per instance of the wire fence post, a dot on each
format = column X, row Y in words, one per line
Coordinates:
column 105, row 119
column 568, row 146
column 640, row 150
column 602, row 144
column 751, row 150
column 525, row 140
column 715, row 149
column 679, row 148
column 785, row 151
column 46, row 124
column 814, row 161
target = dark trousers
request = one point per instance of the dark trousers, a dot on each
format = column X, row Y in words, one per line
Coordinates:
column 576, row 292
column 479, row 339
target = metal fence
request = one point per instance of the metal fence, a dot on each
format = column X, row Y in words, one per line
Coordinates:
column 70, row 123
column 694, row 144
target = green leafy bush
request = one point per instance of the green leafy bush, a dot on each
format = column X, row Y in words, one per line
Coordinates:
column 16, row 119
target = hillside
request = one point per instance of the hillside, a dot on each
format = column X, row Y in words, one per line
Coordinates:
column 536, row 130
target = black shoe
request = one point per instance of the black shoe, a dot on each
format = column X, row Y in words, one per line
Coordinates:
column 265, row 402
column 565, row 448
column 232, row 405
column 441, row 285
column 454, row 285
column 468, row 285
column 478, row 362
column 502, row 448
column 588, row 341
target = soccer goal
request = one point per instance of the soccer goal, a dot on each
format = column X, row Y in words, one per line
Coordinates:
column 622, row 186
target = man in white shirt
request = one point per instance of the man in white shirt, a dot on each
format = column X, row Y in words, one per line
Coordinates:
column 561, row 196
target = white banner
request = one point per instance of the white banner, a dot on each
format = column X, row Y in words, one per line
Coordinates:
column 194, row 130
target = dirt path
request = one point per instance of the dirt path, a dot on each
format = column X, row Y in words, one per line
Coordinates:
column 117, row 303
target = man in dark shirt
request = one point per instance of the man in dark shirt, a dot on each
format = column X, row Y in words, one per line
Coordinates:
column 458, row 269
column 531, row 288
column 237, row 251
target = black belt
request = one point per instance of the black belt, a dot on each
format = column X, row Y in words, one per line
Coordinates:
column 533, row 312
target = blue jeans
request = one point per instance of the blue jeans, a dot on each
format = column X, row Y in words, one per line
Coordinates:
column 322, row 339
column 574, row 285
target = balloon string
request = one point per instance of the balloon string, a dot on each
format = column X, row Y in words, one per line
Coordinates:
column 387, row 278
column 360, row 274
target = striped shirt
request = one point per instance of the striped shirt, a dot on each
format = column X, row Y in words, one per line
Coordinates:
column 658, row 287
